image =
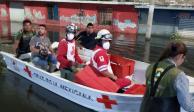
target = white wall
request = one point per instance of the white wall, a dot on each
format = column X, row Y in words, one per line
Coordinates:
column 15, row 27
column 164, row 30
column 16, row 11
column 16, row 16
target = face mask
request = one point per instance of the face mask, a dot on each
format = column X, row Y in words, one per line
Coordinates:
column 70, row 36
column 106, row 45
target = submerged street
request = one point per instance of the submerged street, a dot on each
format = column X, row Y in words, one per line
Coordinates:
column 59, row 78
column 18, row 94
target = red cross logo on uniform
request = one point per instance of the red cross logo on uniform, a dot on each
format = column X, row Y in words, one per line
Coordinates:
column 107, row 102
column 26, row 69
column 73, row 50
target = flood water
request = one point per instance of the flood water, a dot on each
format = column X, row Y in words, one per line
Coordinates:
column 20, row 95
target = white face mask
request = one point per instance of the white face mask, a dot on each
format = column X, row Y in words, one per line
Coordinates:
column 106, row 45
column 70, row 36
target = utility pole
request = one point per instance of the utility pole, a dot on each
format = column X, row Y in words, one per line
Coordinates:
column 150, row 19
column 147, row 52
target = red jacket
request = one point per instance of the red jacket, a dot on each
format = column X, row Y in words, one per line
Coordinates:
column 62, row 55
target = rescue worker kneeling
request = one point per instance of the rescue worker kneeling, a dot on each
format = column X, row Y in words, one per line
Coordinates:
column 100, row 59
column 67, row 54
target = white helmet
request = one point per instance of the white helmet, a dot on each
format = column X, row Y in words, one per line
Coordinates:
column 104, row 34
column 71, row 28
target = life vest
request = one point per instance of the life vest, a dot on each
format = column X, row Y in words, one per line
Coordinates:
column 23, row 46
column 160, row 94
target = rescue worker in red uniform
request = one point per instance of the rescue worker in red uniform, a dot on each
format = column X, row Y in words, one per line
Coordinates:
column 67, row 54
column 100, row 59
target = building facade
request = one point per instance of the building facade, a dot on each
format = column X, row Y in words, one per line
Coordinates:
column 167, row 21
column 119, row 18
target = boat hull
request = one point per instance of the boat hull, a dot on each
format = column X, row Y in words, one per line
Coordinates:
column 90, row 98
column 85, row 96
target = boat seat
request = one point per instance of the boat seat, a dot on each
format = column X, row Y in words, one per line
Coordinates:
column 57, row 73
column 89, row 78
column 31, row 63
column 137, row 89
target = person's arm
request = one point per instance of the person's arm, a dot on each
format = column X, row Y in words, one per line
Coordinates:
column 181, row 86
column 108, row 74
column 62, row 50
column 77, row 57
column 77, row 37
column 103, row 63
column 32, row 46
column 50, row 48
column 17, row 40
column 15, row 46
column 51, row 51
column 34, row 50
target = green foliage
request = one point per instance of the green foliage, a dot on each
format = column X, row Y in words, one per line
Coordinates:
column 175, row 36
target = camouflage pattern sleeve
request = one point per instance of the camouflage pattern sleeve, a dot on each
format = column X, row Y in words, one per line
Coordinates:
column 18, row 35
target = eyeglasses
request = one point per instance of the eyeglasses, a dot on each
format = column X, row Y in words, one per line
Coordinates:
column 107, row 37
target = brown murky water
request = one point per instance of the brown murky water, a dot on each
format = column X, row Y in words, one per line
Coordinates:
column 20, row 95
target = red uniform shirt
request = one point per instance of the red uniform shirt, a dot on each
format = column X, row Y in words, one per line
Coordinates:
column 62, row 55
column 100, row 59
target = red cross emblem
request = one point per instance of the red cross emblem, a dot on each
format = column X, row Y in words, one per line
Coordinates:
column 26, row 69
column 73, row 50
column 107, row 102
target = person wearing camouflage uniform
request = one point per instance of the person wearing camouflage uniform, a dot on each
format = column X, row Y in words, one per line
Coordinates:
column 23, row 37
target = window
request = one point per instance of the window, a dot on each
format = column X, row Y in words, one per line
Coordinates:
column 53, row 36
column 53, row 12
column 105, row 16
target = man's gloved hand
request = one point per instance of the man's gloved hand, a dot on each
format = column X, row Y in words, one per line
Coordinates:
column 114, row 78
column 72, row 63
